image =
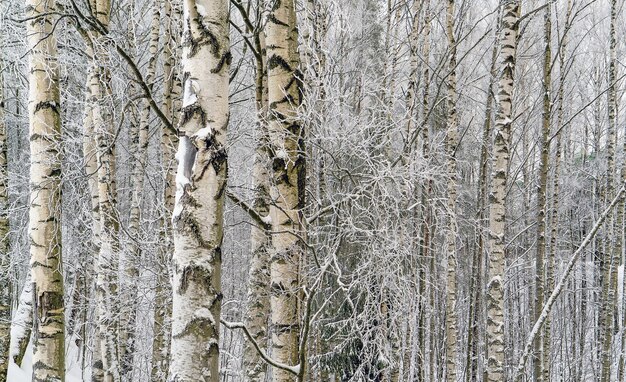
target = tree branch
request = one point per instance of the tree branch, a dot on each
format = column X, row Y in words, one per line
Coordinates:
column 264, row 222
column 557, row 290
column 295, row 370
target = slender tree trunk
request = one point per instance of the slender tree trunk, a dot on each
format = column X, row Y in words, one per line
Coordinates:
column 5, row 260
column 611, row 261
column 452, row 141
column 103, row 192
column 497, row 243
column 556, row 190
column 131, row 257
column 91, row 171
column 287, row 189
column 621, row 239
column 411, row 99
column 258, row 277
column 425, row 213
column 201, row 183
column 536, row 328
column 542, row 353
column 163, row 299
column 45, row 198
column 476, row 305
column 23, row 321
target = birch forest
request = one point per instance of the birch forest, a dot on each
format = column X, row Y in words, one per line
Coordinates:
column 312, row 190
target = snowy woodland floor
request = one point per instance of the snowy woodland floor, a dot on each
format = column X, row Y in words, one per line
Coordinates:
column 72, row 364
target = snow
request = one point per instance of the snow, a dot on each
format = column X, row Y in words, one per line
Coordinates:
column 21, row 316
column 205, row 132
column 190, row 97
column 201, row 10
column 183, row 173
column 72, row 365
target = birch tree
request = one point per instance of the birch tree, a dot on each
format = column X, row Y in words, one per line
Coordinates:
column 171, row 90
column 610, row 264
column 45, row 194
column 258, row 299
column 542, row 353
column 495, row 286
column 200, row 186
column 5, row 260
column 131, row 258
column 287, row 188
column 452, row 142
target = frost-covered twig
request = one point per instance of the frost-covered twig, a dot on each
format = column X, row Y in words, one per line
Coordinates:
column 559, row 287
column 295, row 370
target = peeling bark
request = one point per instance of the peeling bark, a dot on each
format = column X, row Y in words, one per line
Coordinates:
column 200, row 184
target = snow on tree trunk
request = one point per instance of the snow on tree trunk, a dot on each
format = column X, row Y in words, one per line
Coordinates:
column 22, row 323
column 497, row 242
column 44, row 226
column 287, row 188
column 200, row 187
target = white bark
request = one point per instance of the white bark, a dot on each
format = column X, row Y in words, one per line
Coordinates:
column 45, row 194
column 200, row 187
column 288, row 164
column 452, row 141
column 258, row 301
column 163, row 298
column 495, row 286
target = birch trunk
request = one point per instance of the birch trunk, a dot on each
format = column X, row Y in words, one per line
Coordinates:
column 200, row 186
column 45, row 194
column 611, row 262
column 108, row 254
column 411, row 99
column 497, row 243
column 23, row 320
column 541, row 353
column 163, row 299
column 556, row 189
column 130, row 258
column 426, row 189
column 5, row 260
column 91, row 171
column 287, row 189
column 476, row 281
column 452, row 141
column 258, row 302
column 561, row 284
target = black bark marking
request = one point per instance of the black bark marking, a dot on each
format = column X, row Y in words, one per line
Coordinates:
column 200, row 275
column 225, row 60
column 276, row 61
column 189, row 112
column 274, row 20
